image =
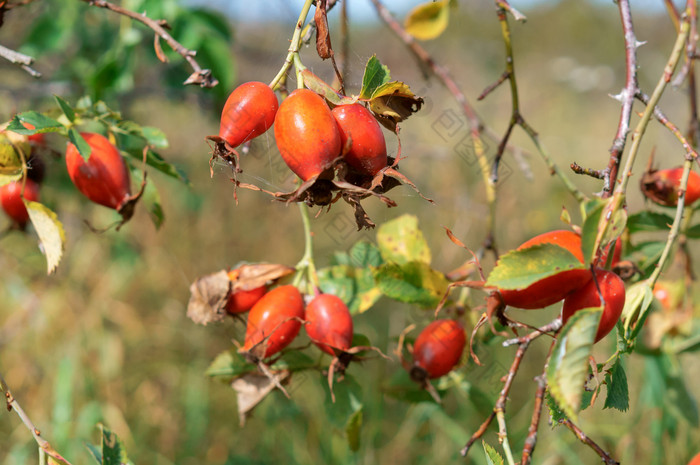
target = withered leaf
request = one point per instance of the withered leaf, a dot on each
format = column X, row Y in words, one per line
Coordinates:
column 394, row 101
column 323, row 37
column 208, row 298
column 253, row 276
column 252, row 388
column 322, row 88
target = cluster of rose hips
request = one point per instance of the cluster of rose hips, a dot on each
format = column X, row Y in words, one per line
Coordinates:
column 578, row 287
column 103, row 178
column 276, row 316
column 311, row 137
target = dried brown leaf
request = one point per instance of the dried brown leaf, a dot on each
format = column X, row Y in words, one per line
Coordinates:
column 208, row 298
column 252, row 388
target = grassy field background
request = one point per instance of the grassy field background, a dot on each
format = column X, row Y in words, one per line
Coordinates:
column 106, row 339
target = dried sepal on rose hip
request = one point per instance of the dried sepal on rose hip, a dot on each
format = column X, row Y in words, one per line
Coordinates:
column 104, row 177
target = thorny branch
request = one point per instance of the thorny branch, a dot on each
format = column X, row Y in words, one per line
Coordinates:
column 24, row 61
column 200, row 77
column 12, row 404
column 589, row 442
column 626, row 97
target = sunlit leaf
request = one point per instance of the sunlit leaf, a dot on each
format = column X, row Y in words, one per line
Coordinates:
column 638, row 299
column 568, row 366
column 155, row 137
column 428, row 20
column 395, row 101
column 400, row 241
column 320, row 86
column 65, row 108
column 80, row 143
column 413, row 282
column 518, row 269
column 376, row 74
column 41, row 123
column 50, row 231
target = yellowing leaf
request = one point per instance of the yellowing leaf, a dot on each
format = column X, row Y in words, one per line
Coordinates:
column 52, row 237
column 394, row 101
column 428, row 20
column 400, row 241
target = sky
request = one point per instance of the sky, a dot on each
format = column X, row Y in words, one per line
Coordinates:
column 361, row 10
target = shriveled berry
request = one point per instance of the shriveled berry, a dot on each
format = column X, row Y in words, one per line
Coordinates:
column 662, row 186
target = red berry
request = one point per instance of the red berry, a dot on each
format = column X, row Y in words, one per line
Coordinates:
column 439, row 347
column 275, row 320
column 612, row 289
column 243, row 300
column 249, row 112
column 695, row 460
column 329, row 324
column 367, row 152
column 554, row 288
column 307, row 135
column 104, row 178
column 662, row 186
column 11, row 199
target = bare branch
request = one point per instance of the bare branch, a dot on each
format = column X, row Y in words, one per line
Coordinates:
column 200, row 77
column 19, row 59
column 589, row 442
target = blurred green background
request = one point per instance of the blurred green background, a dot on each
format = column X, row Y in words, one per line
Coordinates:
column 106, row 339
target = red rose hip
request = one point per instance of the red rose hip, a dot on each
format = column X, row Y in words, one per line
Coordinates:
column 439, row 347
column 554, row 288
column 612, row 289
column 329, row 323
column 306, row 133
column 11, row 199
column 249, row 112
column 275, row 320
column 104, row 177
column 367, row 152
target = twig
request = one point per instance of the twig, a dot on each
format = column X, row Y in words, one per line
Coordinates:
column 578, row 169
column 476, row 125
column 516, row 118
column 345, row 41
column 589, row 442
column 531, row 440
column 19, row 59
column 659, row 115
column 12, row 404
column 201, row 77
column 626, row 97
column 690, row 48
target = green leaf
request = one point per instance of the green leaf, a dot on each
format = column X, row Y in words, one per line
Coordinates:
column 41, row 123
column 492, row 457
column 113, row 451
column 603, row 224
column 95, row 452
column 428, row 20
column 638, row 299
column 365, row 254
column 52, row 237
column 292, row 361
column 10, row 162
column 555, row 413
column 694, row 231
column 352, row 430
column 150, row 199
column 65, row 108
column 355, row 286
column 229, row 364
column 155, row 137
column 81, row 144
column 649, row 221
column 375, row 75
column 400, row 241
column 568, row 366
column 414, row 282
column 519, row 269
column 618, row 393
